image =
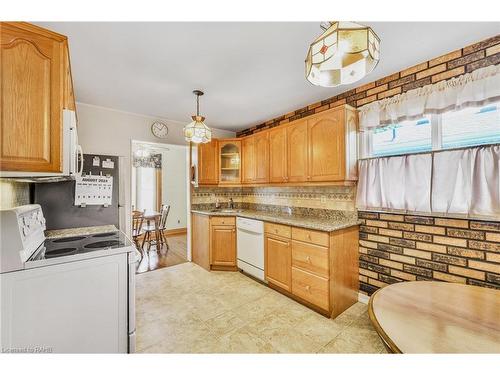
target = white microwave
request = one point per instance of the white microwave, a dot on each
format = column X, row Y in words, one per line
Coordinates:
column 72, row 156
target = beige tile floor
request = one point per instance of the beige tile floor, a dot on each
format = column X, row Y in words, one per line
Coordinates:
column 185, row 309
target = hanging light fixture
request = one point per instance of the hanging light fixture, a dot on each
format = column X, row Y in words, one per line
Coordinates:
column 343, row 54
column 197, row 131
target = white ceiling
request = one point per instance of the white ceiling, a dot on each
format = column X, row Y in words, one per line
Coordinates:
column 250, row 72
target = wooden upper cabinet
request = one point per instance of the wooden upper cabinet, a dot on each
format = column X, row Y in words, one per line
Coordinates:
column 223, row 249
column 32, row 85
column 229, row 162
column 208, row 156
column 248, row 160
column 261, row 157
column 326, row 146
column 297, row 151
column 255, row 158
column 278, row 155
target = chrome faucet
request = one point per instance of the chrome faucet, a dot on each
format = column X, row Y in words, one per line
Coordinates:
column 231, row 204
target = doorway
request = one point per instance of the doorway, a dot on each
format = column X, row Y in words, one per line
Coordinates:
column 159, row 204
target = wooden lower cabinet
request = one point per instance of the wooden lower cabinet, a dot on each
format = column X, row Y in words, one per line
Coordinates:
column 213, row 241
column 278, row 261
column 200, row 240
column 223, row 245
column 311, row 288
column 319, row 269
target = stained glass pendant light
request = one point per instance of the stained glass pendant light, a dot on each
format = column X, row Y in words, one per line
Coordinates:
column 343, row 54
column 197, row 131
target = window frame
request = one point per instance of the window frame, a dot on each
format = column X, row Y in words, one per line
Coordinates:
column 365, row 139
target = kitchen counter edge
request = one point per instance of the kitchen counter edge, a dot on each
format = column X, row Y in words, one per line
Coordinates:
column 324, row 225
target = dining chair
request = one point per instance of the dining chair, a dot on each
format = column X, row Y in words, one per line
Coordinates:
column 165, row 209
column 152, row 233
column 137, row 221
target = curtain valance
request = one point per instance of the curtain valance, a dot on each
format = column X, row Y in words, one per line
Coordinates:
column 478, row 88
column 150, row 161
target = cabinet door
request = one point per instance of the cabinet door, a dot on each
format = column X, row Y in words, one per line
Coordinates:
column 31, row 82
column 327, row 146
column 69, row 94
column 296, row 137
column 262, row 157
column 223, row 245
column 207, row 163
column 278, row 155
column 278, row 261
column 230, row 162
column 248, row 159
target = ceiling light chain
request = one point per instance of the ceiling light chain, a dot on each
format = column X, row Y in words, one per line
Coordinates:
column 197, row 131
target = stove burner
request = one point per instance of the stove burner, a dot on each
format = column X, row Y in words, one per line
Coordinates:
column 60, row 252
column 68, row 239
column 102, row 244
column 104, row 234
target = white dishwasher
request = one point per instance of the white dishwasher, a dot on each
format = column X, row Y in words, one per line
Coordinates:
column 250, row 243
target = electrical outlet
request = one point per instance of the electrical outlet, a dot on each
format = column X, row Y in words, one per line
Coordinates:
column 323, row 199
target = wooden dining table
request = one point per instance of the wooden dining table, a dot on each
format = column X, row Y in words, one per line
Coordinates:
column 437, row 317
column 150, row 215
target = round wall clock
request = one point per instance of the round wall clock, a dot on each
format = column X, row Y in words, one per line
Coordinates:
column 159, row 129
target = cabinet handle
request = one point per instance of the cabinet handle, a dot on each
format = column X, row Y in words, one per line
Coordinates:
column 308, row 177
column 308, row 258
column 308, row 288
column 309, row 237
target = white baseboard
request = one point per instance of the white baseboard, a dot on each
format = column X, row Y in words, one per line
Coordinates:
column 363, row 298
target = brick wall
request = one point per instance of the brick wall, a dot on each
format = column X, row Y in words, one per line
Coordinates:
column 465, row 60
column 395, row 247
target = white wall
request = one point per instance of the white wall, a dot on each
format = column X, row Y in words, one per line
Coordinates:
column 108, row 131
column 174, row 192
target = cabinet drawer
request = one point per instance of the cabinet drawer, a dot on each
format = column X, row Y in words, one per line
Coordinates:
column 223, row 220
column 312, row 236
column 278, row 230
column 310, row 257
column 311, row 288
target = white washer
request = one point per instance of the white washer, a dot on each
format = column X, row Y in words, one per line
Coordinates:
column 250, row 246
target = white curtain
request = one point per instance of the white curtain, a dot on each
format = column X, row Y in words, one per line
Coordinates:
column 396, row 183
column 467, row 182
column 478, row 88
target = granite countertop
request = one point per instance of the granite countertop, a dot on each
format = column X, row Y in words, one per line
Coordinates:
column 339, row 221
column 83, row 231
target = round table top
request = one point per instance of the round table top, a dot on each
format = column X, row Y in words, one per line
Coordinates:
column 437, row 317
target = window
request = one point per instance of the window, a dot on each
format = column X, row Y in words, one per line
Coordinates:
column 466, row 127
column 407, row 137
column 471, row 126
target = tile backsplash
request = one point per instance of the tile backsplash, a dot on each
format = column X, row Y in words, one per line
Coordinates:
column 13, row 193
column 340, row 198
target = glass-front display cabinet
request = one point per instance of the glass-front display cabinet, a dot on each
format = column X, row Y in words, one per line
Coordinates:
column 229, row 162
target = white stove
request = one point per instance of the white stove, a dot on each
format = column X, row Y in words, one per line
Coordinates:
column 67, row 294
